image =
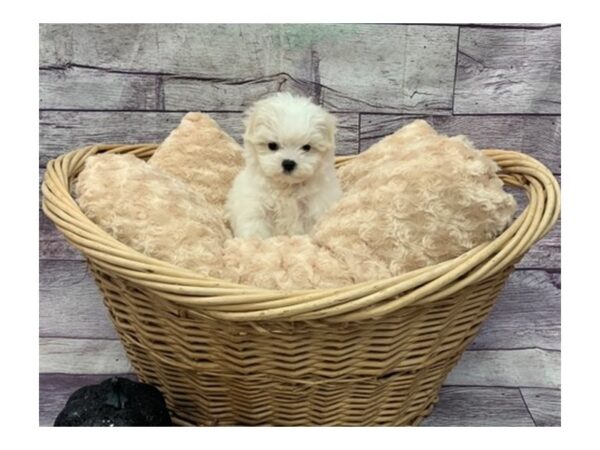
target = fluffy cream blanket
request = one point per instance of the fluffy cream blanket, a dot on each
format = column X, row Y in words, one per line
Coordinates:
column 413, row 199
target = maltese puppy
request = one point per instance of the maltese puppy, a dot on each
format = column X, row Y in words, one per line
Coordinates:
column 289, row 178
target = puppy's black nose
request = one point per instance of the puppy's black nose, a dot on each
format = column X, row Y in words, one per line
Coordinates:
column 288, row 165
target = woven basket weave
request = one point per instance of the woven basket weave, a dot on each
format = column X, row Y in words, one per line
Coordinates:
column 374, row 353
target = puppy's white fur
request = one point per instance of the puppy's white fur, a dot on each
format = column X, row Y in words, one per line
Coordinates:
column 265, row 199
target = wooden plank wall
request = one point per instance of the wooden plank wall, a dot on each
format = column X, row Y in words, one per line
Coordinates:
column 498, row 84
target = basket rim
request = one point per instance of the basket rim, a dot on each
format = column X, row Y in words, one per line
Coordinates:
column 371, row 299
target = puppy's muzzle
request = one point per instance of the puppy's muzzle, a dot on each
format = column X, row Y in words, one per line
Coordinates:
column 288, row 165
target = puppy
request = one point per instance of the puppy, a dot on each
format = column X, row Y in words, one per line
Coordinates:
column 289, row 178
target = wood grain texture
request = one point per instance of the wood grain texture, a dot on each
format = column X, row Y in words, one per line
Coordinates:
column 62, row 131
column 78, row 88
column 526, row 315
column 52, row 244
column 513, row 71
column 538, row 136
column 472, row 406
column 220, row 51
column 70, row 303
column 89, row 356
column 393, row 68
column 544, row 406
column 507, row 368
column 394, row 74
column 55, row 390
column 182, row 93
column 386, row 68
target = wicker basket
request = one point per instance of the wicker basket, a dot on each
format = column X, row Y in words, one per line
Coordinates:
column 375, row 353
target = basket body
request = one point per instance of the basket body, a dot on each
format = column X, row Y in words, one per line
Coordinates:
column 371, row 354
column 372, row 372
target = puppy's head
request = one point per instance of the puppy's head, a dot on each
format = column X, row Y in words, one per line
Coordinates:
column 288, row 137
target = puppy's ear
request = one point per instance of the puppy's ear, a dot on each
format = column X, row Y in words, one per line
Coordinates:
column 252, row 115
column 249, row 121
column 329, row 127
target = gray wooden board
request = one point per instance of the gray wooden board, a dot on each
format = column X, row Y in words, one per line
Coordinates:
column 70, row 302
column 74, row 356
column 55, row 390
column 393, row 68
column 471, row 406
column 458, row 406
column 62, row 131
column 52, row 244
column 508, row 368
column 208, row 94
column 219, row 51
column 538, row 136
column 544, row 405
column 78, row 88
column 512, row 71
column 399, row 69
column 526, row 315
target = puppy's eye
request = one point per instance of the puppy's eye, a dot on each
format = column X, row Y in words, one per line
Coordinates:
column 273, row 146
column 306, row 147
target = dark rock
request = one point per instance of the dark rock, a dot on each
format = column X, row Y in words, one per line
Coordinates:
column 116, row 402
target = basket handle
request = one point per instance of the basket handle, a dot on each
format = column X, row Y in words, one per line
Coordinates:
column 525, row 172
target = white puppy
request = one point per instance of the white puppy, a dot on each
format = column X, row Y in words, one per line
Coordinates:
column 289, row 178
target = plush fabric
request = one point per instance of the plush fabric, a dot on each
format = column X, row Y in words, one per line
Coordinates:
column 152, row 212
column 283, row 262
column 200, row 153
column 412, row 133
column 413, row 199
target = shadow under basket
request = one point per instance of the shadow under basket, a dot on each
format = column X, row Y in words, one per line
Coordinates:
column 374, row 353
